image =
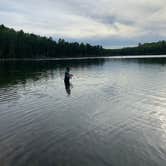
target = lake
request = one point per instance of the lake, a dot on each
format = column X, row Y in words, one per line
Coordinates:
column 113, row 114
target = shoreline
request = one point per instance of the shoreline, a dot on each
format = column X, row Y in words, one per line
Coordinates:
column 85, row 58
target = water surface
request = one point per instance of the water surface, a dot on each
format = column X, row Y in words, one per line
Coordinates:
column 114, row 113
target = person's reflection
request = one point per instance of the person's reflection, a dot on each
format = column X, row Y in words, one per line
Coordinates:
column 68, row 88
column 67, row 78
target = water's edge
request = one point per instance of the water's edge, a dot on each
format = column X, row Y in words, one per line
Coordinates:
column 75, row 58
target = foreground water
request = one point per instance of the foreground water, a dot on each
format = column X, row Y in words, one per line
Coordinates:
column 114, row 114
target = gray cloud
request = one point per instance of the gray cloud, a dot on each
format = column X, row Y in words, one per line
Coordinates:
column 111, row 23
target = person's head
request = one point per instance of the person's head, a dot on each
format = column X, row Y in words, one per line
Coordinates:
column 67, row 69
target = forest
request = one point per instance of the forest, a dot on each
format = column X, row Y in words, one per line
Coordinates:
column 19, row 45
column 154, row 48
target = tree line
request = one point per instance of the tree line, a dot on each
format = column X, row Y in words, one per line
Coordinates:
column 17, row 44
column 155, row 48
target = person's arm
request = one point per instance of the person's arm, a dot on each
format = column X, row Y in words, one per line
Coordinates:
column 71, row 75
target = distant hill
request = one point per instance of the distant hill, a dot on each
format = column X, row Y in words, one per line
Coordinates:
column 18, row 44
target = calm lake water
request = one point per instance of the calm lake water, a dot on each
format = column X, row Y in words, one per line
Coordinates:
column 114, row 114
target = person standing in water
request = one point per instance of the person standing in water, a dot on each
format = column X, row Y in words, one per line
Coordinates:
column 67, row 78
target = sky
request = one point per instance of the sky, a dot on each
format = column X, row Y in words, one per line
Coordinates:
column 110, row 23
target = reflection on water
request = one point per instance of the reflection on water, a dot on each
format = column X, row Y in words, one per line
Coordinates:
column 22, row 71
column 68, row 88
column 115, row 113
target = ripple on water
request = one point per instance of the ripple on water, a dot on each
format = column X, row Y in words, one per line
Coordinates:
column 114, row 115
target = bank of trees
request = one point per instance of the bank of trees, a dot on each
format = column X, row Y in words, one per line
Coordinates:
column 155, row 48
column 17, row 44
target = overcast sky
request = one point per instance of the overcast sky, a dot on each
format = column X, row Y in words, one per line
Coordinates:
column 111, row 23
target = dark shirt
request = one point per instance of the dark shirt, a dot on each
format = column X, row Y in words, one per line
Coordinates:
column 67, row 76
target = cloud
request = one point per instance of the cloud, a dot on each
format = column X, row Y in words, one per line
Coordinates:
column 111, row 23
